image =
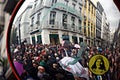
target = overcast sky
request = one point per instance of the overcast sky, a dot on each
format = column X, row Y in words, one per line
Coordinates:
column 112, row 13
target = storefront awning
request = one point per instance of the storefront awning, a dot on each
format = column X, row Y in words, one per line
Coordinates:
column 53, row 35
column 65, row 37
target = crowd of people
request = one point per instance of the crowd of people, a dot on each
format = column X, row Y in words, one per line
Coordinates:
column 41, row 62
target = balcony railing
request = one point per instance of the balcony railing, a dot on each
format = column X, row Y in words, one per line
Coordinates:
column 56, row 26
column 59, row 26
column 63, row 7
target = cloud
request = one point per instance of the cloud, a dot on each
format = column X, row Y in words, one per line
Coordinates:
column 112, row 13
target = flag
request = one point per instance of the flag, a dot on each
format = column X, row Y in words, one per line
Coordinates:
column 72, row 65
column 83, row 46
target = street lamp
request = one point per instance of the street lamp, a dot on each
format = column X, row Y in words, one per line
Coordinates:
column 19, row 33
column 94, row 41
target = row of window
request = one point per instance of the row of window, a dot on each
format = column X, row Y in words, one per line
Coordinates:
column 64, row 17
column 41, row 2
column 64, row 20
column 90, row 28
column 53, row 17
column 98, row 34
column 38, row 18
column 74, row 3
column 89, row 6
column 98, row 24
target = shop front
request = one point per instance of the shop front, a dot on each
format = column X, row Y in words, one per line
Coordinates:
column 54, row 39
column 39, row 39
column 80, row 39
column 74, row 39
column 33, row 40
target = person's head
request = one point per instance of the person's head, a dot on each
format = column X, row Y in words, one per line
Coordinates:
column 55, row 65
column 51, row 50
column 74, row 51
column 99, row 63
column 59, row 52
column 35, row 64
column 41, row 69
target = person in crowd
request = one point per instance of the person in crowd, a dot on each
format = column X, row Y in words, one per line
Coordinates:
column 40, row 62
column 42, row 75
column 74, row 53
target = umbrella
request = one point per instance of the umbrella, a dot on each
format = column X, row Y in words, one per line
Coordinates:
column 16, row 50
column 72, row 65
column 18, row 67
column 77, row 46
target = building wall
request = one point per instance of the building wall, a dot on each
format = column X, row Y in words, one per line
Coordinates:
column 89, row 22
column 78, row 9
column 60, row 9
column 105, row 30
column 99, row 21
column 103, row 24
column 25, row 23
column 105, row 27
column 2, row 16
